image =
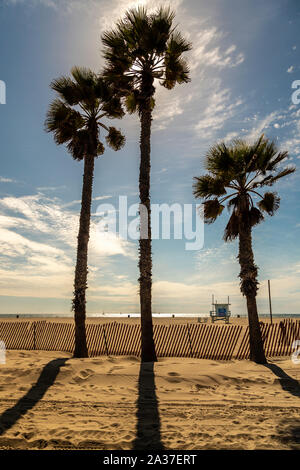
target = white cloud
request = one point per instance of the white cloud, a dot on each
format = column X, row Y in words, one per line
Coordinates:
column 38, row 247
column 290, row 69
column 261, row 125
column 50, row 188
column 219, row 109
column 230, row 136
column 167, row 108
column 78, row 201
column 6, row 180
column 205, row 53
column 110, row 10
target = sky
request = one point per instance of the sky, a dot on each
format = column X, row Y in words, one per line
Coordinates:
column 244, row 59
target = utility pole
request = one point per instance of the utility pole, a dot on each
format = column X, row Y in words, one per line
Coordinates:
column 270, row 303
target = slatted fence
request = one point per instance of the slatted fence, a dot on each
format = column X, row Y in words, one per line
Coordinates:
column 278, row 339
column 203, row 341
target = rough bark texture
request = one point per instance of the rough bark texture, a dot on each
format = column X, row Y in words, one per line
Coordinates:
column 80, row 283
column 249, row 286
column 145, row 256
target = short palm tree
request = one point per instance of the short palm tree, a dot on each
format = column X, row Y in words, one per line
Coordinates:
column 75, row 118
column 236, row 174
column 145, row 47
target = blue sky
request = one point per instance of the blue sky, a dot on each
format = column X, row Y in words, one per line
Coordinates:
column 245, row 57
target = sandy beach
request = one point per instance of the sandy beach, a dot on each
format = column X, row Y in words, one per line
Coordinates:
column 243, row 321
column 51, row 401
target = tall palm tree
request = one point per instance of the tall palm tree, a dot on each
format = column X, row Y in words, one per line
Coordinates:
column 236, row 174
column 75, row 118
column 145, row 47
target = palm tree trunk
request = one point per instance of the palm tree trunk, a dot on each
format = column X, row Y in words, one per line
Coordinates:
column 80, row 283
column 248, row 276
column 145, row 256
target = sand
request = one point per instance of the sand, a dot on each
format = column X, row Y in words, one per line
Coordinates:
column 243, row 321
column 51, row 401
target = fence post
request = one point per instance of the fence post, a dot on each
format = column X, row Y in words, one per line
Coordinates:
column 34, row 335
column 189, row 335
column 105, row 341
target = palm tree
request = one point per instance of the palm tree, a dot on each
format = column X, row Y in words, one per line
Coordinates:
column 236, row 173
column 75, row 118
column 145, row 47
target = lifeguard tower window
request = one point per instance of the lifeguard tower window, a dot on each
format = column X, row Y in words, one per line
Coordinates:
column 222, row 311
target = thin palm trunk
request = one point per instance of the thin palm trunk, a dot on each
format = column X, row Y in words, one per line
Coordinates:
column 145, row 256
column 248, row 277
column 80, row 283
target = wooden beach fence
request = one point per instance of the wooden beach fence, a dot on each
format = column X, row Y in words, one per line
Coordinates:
column 17, row 335
column 278, row 339
column 202, row 341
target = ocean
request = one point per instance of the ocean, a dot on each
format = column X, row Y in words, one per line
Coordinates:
column 135, row 315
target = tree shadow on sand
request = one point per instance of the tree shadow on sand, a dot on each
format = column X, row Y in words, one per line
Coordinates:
column 287, row 382
column 289, row 433
column 289, row 429
column 148, row 420
column 47, row 378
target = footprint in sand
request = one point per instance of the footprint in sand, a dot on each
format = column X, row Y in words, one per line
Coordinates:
column 173, row 380
column 132, row 358
column 114, row 368
column 173, row 374
column 28, row 435
column 85, row 373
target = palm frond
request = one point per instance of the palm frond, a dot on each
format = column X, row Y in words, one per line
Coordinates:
column 161, row 25
column 177, row 45
column 271, row 179
column 252, row 154
column 131, row 103
column 207, row 186
column 176, row 71
column 63, row 121
column 113, row 40
column 86, row 81
column 270, row 203
column 100, row 149
column 266, row 153
column 211, row 210
column 84, row 77
column 67, row 90
column 113, row 108
column 79, row 145
column 231, row 231
column 219, row 160
column 233, row 202
column 274, row 162
column 115, row 138
column 255, row 217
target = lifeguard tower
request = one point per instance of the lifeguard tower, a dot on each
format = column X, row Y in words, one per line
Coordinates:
column 220, row 311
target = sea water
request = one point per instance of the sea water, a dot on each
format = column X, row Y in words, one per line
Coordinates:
column 136, row 315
